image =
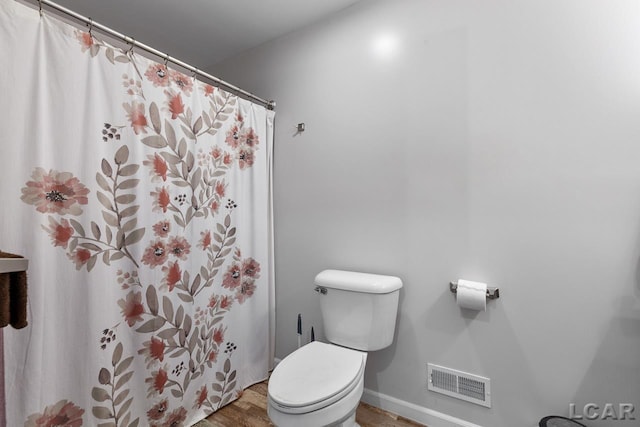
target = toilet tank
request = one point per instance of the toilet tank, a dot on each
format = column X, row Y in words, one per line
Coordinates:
column 359, row 310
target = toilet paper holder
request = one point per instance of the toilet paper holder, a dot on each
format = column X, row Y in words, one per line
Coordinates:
column 492, row 293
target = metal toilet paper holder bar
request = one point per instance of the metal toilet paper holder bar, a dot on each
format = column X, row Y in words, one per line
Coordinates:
column 492, row 293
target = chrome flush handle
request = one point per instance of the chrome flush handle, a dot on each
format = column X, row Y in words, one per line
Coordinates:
column 321, row 290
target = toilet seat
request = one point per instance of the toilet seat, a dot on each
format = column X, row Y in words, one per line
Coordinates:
column 315, row 376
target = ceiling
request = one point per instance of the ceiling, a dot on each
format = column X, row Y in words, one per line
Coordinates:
column 204, row 32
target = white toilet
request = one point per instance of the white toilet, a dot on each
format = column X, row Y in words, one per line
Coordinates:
column 321, row 384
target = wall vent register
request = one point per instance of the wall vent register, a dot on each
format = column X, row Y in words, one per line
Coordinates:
column 458, row 384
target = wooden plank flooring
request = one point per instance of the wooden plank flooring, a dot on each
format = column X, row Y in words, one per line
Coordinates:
column 250, row 410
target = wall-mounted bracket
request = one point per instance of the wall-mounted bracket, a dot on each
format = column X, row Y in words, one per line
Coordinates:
column 492, row 293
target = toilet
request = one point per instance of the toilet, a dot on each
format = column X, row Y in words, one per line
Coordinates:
column 321, row 384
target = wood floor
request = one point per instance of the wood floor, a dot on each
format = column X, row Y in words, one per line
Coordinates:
column 250, row 410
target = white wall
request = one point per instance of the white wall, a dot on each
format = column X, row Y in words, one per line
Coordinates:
column 500, row 142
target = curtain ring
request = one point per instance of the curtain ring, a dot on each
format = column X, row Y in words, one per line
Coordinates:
column 90, row 27
column 166, row 60
column 194, row 74
column 132, row 43
column 40, row 7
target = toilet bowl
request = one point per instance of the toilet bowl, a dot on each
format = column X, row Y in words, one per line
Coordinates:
column 317, row 385
column 321, row 384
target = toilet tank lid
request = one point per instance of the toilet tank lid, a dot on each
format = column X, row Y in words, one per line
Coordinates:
column 358, row 282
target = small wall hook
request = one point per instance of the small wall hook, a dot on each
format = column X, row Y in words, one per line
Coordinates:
column 300, row 127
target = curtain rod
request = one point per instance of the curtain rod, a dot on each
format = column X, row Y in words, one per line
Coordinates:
column 271, row 105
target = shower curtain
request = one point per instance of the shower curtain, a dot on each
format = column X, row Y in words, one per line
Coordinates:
column 141, row 197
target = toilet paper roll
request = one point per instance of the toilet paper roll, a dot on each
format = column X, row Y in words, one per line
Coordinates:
column 472, row 295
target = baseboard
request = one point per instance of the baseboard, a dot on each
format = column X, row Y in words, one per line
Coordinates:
column 413, row 412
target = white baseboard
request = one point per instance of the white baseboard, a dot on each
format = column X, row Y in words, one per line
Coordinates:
column 413, row 412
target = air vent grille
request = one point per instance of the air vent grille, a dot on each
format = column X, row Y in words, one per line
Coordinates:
column 458, row 384
column 444, row 380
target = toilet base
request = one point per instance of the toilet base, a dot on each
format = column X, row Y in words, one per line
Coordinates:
column 349, row 422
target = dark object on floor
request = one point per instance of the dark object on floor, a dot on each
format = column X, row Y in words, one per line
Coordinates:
column 13, row 297
column 556, row 421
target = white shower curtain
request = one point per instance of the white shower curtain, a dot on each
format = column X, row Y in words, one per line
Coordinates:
column 141, row 197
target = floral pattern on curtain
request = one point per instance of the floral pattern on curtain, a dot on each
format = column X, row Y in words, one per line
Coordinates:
column 141, row 197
